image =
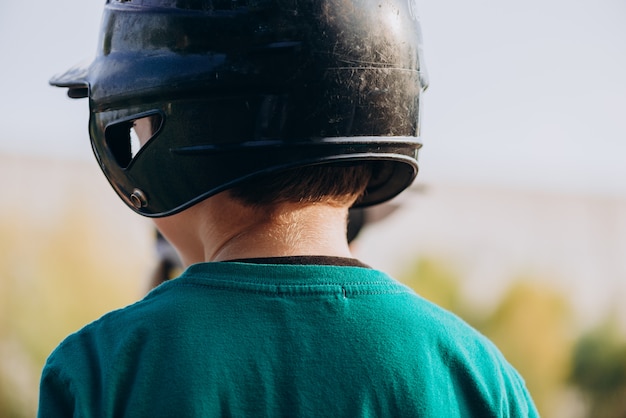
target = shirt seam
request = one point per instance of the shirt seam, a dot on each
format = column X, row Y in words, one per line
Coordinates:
column 280, row 289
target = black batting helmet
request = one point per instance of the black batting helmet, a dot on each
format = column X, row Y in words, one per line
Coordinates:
column 237, row 88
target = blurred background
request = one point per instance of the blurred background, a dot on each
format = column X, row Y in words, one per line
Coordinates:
column 517, row 221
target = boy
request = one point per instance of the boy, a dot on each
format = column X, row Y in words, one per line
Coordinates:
column 257, row 125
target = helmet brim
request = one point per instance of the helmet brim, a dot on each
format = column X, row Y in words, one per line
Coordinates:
column 75, row 80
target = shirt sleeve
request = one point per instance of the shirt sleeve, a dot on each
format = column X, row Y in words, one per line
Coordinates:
column 55, row 398
column 520, row 403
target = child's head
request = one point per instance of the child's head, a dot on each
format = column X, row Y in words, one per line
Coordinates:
column 272, row 100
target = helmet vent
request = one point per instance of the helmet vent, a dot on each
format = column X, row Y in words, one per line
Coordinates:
column 125, row 139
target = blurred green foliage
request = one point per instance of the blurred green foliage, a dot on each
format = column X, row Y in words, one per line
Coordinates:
column 599, row 370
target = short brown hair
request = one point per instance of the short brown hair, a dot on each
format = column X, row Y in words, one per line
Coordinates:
column 337, row 184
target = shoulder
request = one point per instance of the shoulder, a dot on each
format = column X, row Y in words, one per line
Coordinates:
column 445, row 352
column 95, row 352
column 445, row 334
column 104, row 337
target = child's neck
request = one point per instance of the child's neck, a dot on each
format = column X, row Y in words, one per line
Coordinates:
column 221, row 229
column 307, row 230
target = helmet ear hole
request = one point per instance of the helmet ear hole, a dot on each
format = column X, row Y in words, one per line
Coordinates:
column 126, row 138
column 119, row 142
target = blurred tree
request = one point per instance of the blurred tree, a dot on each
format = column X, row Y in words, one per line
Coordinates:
column 435, row 281
column 53, row 280
column 16, row 393
column 599, row 370
column 533, row 326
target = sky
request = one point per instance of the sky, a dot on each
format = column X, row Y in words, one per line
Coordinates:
column 522, row 94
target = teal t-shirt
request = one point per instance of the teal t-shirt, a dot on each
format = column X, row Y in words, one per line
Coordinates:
column 265, row 340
